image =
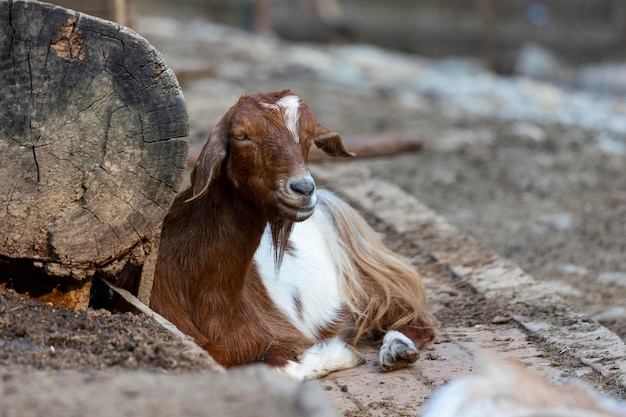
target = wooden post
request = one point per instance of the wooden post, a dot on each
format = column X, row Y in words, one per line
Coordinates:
column 487, row 17
column 119, row 12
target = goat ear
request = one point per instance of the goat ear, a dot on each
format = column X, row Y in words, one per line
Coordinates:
column 210, row 159
column 330, row 142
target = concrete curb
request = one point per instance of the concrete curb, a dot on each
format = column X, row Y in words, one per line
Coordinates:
column 529, row 302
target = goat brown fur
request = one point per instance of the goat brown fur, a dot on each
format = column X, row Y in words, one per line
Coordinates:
column 206, row 282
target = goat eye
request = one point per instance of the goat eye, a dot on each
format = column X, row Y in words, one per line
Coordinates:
column 239, row 135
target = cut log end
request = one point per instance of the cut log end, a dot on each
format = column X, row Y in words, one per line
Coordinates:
column 89, row 155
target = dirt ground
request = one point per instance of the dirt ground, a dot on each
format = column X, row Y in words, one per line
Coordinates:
column 556, row 207
column 38, row 336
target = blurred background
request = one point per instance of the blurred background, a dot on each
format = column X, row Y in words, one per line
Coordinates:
column 519, row 108
column 578, row 31
column 497, row 31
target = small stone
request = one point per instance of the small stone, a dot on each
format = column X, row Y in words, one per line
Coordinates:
column 501, row 319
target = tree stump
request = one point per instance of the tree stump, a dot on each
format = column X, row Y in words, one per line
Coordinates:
column 88, row 161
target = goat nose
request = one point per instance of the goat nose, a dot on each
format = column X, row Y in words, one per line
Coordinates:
column 304, row 186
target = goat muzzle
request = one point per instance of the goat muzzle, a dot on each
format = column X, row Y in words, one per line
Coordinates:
column 298, row 198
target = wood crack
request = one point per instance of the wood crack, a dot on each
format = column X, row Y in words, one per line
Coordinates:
column 36, row 164
column 105, row 140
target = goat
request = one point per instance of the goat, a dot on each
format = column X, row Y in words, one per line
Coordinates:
column 258, row 266
column 507, row 389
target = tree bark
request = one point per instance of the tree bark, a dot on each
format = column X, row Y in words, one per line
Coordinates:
column 88, row 160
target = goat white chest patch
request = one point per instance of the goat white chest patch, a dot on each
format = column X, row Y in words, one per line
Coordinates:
column 306, row 287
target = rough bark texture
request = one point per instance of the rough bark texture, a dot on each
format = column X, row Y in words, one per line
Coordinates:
column 88, row 163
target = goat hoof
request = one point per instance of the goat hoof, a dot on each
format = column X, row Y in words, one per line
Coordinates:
column 397, row 352
column 358, row 356
column 361, row 360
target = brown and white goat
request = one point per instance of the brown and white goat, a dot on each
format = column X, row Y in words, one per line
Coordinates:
column 258, row 266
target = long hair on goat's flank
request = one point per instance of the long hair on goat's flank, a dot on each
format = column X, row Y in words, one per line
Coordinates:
column 382, row 291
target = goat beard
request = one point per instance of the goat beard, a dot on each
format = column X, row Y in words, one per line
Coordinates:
column 281, row 230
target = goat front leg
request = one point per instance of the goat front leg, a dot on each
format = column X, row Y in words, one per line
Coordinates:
column 397, row 351
column 323, row 358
